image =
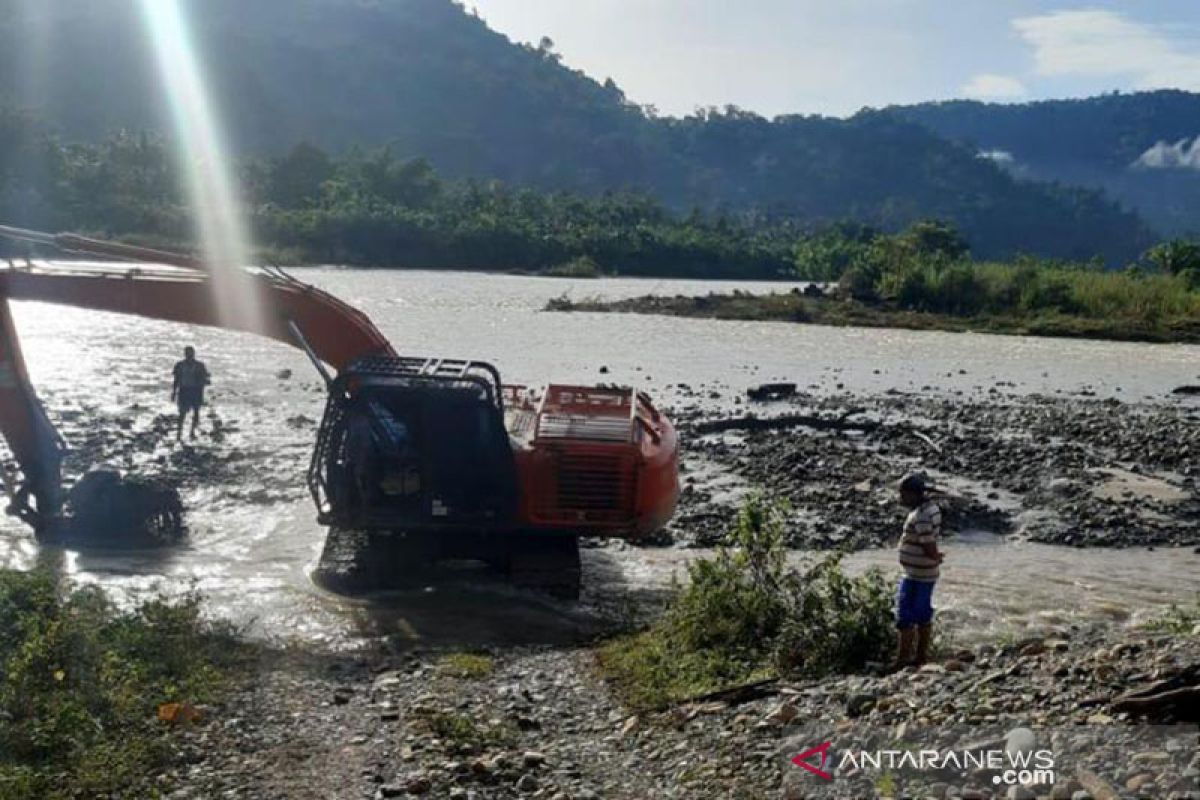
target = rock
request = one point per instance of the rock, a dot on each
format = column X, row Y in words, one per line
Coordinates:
column 771, row 391
column 1138, row 781
column 1020, row 793
column 629, row 727
column 114, row 510
column 782, row 715
column 527, row 784
column 532, row 758
column 284, row 374
column 860, row 703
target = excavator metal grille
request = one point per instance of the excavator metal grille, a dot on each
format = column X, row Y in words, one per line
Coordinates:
column 592, row 485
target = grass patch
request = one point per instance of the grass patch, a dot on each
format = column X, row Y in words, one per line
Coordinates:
column 744, row 615
column 1177, row 620
column 461, row 731
column 469, row 666
column 81, row 682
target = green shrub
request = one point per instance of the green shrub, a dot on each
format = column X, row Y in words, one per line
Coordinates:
column 836, row 623
column 745, row 615
column 82, row 681
column 579, row 267
column 1175, row 257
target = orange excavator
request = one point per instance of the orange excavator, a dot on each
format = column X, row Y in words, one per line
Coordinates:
column 436, row 455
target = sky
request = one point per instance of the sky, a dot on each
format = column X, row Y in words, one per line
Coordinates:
column 838, row 56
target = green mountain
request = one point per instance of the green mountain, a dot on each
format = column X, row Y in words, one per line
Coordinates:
column 428, row 79
column 1143, row 148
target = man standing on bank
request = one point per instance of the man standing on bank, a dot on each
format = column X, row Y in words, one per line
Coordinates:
column 187, row 390
column 921, row 561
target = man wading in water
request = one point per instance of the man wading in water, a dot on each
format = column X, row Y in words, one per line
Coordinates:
column 921, row 560
column 191, row 376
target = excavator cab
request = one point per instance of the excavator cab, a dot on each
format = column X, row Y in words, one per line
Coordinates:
column 413, row 444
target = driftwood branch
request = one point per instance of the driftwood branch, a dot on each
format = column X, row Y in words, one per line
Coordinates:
column 1178, row 697
column 784, row 422
column 735, row 695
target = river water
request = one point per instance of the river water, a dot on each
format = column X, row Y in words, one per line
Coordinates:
column 250, row 548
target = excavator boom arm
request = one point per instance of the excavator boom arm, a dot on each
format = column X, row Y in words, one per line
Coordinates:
column 286, row 309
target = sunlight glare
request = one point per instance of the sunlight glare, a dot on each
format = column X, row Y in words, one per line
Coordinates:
column 224, row 238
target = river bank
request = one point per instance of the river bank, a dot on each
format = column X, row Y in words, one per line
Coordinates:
column 539, row 722
column 817, row 309
column 396, row 718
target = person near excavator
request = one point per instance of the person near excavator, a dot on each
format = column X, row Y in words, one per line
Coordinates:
column 921, row 561
column 187, row 389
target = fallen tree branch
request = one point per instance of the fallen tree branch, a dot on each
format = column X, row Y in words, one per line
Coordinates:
column 784, row 422
column 1180, row 703
column 934, row 446
column 735, row 695
column 1178, row 697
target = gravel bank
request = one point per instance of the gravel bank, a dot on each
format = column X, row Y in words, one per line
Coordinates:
column 1062, row 470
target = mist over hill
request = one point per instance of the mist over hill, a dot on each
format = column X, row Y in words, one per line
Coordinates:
column 1142, row 149
column 428, row 79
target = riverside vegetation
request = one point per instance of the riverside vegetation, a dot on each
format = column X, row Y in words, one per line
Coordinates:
column 745, row 616
column 925, row 278
column 81, row 684
column 373, row 208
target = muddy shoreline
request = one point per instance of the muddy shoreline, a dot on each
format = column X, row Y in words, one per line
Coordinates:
column 1074, row 471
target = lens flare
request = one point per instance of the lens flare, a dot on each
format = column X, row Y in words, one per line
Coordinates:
column 223, row 236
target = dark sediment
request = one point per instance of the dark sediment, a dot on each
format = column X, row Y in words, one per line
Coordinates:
column 1071, row 471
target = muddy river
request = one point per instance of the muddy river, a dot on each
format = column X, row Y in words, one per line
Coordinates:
column 253, row 537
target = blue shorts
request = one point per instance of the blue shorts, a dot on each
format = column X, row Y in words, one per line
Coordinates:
column 914, row 603
column 189, row 398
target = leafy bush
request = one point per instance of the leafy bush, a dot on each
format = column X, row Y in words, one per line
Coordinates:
column 1175, row 257
column 836, row 623
column 82, row 682
column 827, row 255
column 580, row 267
column 745, row 615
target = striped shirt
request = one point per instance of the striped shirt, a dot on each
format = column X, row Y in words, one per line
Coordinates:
column 923, row 526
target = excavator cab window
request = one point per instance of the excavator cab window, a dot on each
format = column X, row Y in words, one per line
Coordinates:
column 406, row 453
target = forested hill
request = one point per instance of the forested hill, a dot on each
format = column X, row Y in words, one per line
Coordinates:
column 1142, row 148
column 430, row 80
